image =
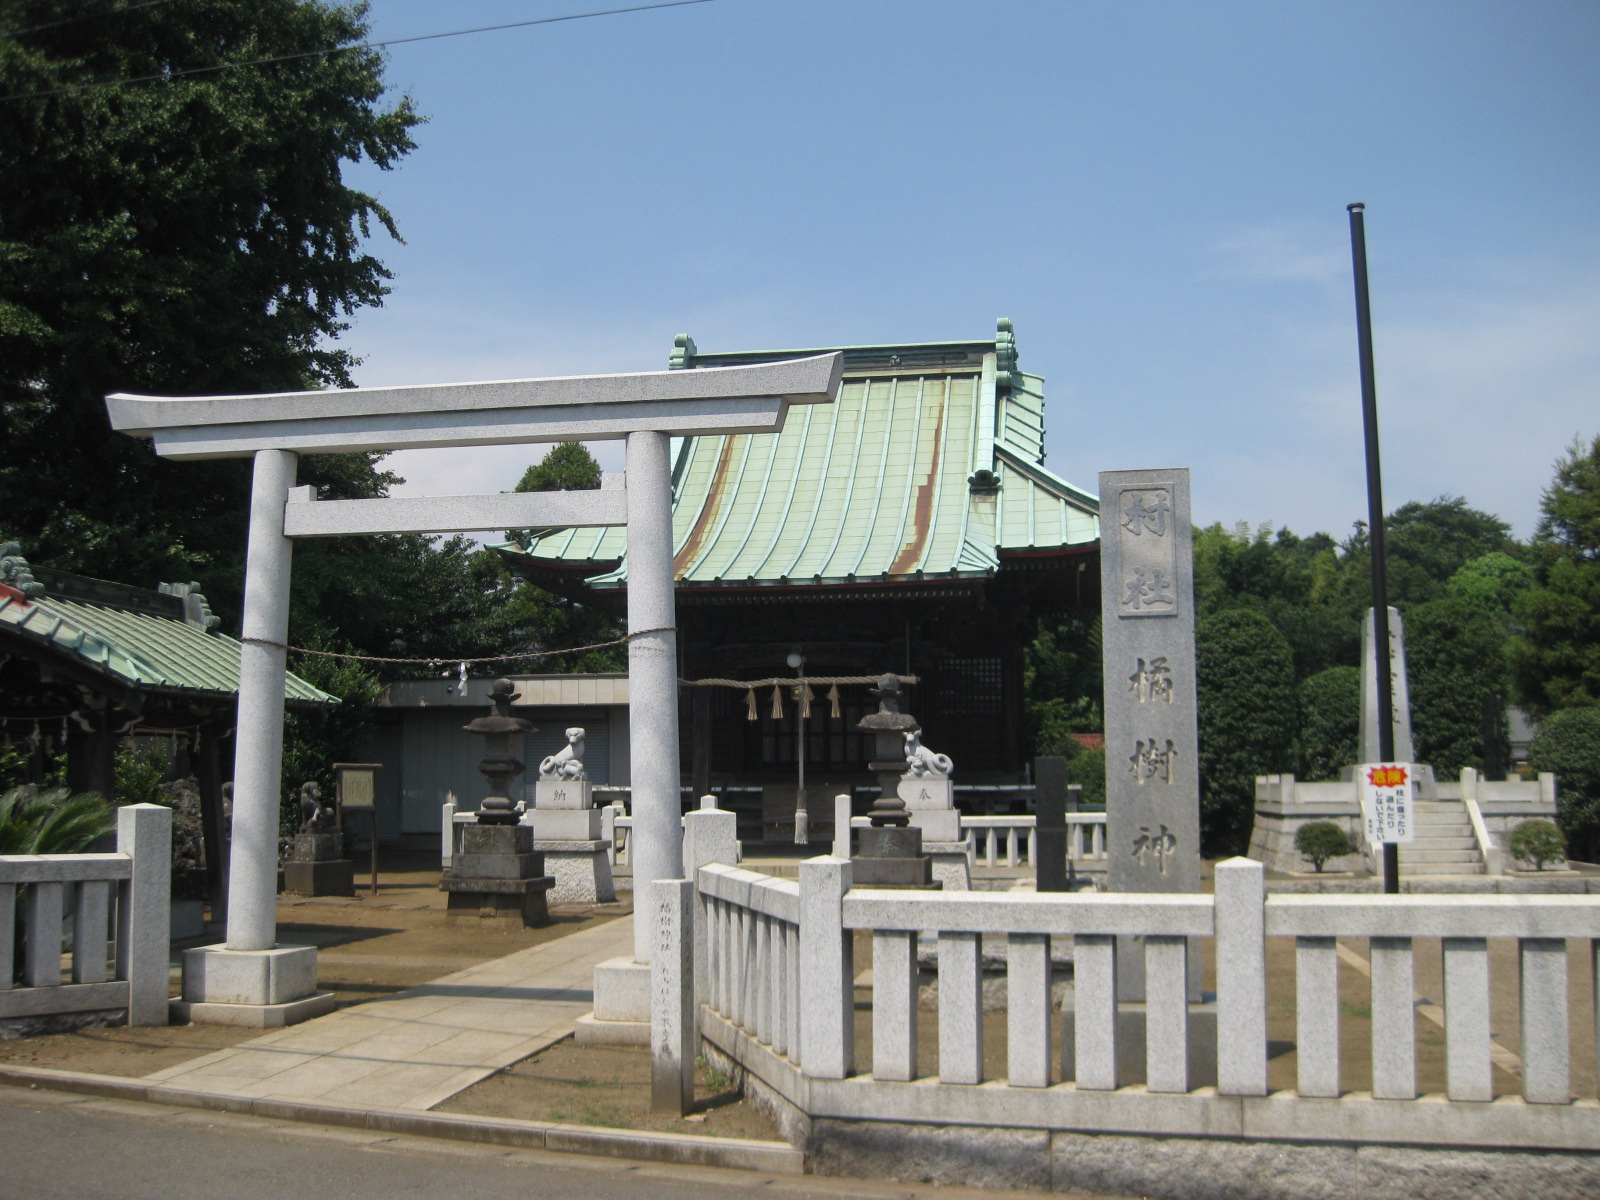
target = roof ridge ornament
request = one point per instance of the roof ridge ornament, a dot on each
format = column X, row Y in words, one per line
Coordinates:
column 683, row 352
column 1005, row 352
column 15, row 571
column 196, row 609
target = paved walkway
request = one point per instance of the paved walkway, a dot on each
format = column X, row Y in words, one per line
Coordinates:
column 421, row 1046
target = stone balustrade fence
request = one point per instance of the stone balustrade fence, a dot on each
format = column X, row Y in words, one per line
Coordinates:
column 114, row 909
column 776, row 981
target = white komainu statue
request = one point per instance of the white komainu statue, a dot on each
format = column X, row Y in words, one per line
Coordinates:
column 921, row 761
column 566, row 763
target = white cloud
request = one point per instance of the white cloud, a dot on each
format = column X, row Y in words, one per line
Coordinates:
column 1286, row 252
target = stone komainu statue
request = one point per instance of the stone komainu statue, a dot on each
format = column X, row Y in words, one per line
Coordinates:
column 921, row 761
column 315, row 816
column 566, row 763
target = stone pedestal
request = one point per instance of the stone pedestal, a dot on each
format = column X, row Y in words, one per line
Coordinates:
column 621, row 1015
column 498, row 874
column 568, row 831
column 261, row 989
column 316, row 866
column 891, row 857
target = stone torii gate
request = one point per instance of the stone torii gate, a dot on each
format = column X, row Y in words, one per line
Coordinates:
column 251, row 979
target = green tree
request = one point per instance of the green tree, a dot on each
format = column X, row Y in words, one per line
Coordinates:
column 1246, row 700
column 516, row 616
column 315, row 739
column 1491, row 585
column 1568, row 743
column 1425, row 544
column 189, row 234
column 1330, row 722
column 1555, row 659
column 1061, row 681
column 1456, row 671
column 566, row 467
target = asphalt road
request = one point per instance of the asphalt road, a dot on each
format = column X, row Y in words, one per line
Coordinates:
column 57, row 1146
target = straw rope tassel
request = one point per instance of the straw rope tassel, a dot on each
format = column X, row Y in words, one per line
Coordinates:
column 749, row 704
column 806, row 696
column 833, row 699
column 777, row 703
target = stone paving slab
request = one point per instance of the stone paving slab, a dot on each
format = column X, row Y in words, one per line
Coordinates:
column 421, row 1046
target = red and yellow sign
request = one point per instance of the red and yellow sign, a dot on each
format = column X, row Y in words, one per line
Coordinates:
column 1387, row 777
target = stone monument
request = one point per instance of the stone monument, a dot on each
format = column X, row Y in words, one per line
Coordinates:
column 1152, row 772
column 566, row 828
column 889, row 853
column 1404, row 750
column 497, row 873
column 317, row 865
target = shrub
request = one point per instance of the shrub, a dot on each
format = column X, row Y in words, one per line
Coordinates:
column 1538, row 842
column 1568, row 743
column 1330, row 722
column 51, row 821
column 1321, row 840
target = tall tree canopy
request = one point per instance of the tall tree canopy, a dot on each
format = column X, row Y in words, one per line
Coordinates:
column 188, row 234
column 1556, row 660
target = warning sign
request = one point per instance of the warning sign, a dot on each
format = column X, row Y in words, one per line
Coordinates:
column 1387, row 802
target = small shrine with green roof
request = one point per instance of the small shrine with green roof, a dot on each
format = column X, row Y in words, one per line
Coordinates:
column 911, row 526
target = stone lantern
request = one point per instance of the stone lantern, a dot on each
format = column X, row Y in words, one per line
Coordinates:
column 496, row 873
column 889, row 854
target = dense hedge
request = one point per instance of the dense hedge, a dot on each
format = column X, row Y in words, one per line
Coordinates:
column 1330, row 722
column 1247, row 718
column 1568, row 743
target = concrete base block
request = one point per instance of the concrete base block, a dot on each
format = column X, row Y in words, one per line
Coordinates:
column 563, row 793
column 927, row 792
column 582, row 876
column 938, row 824
column 217, row 975
column 952, row 863
column 527, row 905
column 622, row 991
column 589, row 1030
column 564, row 824
column 252, row 1016
column 330, row 877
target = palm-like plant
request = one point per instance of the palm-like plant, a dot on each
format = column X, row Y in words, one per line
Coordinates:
column 51, row 820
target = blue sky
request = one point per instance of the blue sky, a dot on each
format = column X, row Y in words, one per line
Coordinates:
column 1154, row 193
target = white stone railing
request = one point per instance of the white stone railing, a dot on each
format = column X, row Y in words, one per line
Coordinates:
column 778, row 951
column 1086, row 837
column 118, row 906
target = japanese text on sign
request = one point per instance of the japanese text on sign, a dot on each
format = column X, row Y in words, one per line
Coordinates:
column 1387, row 802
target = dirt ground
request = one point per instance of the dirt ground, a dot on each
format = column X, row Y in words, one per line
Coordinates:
column 607, row 1085
column 367, row 947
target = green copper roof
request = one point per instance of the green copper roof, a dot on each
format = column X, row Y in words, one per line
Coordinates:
column 121, row 638
column 929, row 464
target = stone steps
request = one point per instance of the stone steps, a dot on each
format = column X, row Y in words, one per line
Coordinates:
column 1413, row 854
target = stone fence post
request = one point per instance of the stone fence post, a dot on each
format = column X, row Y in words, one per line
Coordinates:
column 841, row 826
column 1241, row 978
column 827, row 974
column 144, row 833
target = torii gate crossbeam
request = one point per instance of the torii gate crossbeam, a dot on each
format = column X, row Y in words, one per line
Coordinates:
column 252, row 979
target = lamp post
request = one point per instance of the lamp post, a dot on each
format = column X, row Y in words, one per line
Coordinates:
column 802, row 826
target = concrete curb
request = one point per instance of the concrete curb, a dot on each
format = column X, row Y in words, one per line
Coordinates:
column 774, row 1158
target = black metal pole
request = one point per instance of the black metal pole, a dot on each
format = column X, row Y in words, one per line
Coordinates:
column 1382, row 652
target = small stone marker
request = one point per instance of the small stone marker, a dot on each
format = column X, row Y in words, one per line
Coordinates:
column 1152, row 772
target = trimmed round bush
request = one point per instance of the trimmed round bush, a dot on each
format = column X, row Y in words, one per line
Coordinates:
column 1321, row 840
column 1538, row 842
column 1568, row 744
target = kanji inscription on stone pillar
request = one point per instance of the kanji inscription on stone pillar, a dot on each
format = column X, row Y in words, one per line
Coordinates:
column 1147, row 605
